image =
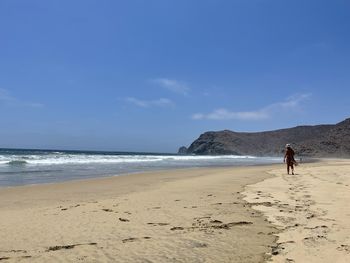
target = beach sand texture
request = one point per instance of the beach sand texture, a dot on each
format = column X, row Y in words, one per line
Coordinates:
column 311, row 209
column 192, row 215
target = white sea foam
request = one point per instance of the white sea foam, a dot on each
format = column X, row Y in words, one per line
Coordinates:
column 59, row 158
column 21, row 167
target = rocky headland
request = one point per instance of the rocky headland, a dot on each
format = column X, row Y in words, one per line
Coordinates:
column 330, row 140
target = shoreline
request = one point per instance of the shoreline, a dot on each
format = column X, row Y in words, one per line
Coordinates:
column 175, row 215
column 37, row 168
column 145, row 172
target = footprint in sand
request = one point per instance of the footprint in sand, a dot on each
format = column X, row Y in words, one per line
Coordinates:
column 314, row 240
column 55, row 248
column 216, row 221
column 158, row 224
column 130, row 239
column 15, row 251
column 309, row 215
column 205, row 223
column 281, row 247
column 345, row 248
column 177, row 228
column 317, row 227
column 276, row 250
column 133, row 239
column 229, row 225
column 196, row 244
column 285, row 219
column 320, row 231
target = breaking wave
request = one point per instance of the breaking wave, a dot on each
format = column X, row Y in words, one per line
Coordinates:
column 16, row 162
column 21, row 167
column 59, row 158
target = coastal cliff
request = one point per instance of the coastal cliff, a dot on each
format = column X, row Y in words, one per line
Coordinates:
column 314, row 141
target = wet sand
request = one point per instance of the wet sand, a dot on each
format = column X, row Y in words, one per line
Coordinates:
column 189, row 215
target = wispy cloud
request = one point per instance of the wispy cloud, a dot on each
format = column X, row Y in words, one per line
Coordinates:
column 173, row 85
column 7, row 98
column 291, row 103
column 162, row 102
column 223, row 114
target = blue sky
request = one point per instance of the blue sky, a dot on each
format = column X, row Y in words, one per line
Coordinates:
column 154, row 75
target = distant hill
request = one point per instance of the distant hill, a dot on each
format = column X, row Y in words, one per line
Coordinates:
column 313, row 141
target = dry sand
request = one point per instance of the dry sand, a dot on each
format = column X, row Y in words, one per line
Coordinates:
column 192, row 215
column 311, row 209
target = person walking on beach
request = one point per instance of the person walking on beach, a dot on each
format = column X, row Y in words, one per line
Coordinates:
column 289, row 158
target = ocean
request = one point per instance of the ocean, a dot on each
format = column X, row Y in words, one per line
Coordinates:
column 26, row 166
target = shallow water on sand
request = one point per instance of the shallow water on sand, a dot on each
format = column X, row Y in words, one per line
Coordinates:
column 23, row 167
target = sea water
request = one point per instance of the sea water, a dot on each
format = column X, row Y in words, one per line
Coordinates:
column 23, row 167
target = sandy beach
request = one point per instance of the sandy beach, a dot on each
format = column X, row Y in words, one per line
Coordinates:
column 240, row 214
column 310, row 209
column 191, row 215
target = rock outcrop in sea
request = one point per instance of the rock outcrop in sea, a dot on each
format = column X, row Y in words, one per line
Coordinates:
column 182, row 150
